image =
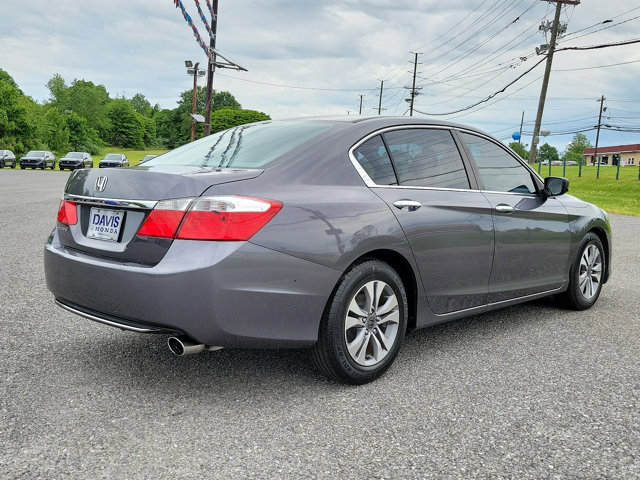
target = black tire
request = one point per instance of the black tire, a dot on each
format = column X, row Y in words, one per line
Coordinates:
column 21, row 167
column 581, row 297
column 331, row 353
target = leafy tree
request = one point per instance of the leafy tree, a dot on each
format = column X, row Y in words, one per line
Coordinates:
column 90, row 101
column 167, row 133
column 141, row 105
column 149, row 133
column 6, row 78
column 520, row 150
column 56, row 132
column 125, row 129
column 229, row 117
column 576, row 148
column 18, row 116
column 81, row 137
column 547, row 152
column 220, row 100
column 59, row 91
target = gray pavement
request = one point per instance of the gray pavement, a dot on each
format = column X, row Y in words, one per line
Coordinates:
column 531, row 391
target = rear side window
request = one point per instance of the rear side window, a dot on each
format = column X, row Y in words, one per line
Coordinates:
column 427, row 158
column 246, row 146
column 499, row 171
column 374, row 159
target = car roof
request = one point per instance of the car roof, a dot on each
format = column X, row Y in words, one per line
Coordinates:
column 380, row 121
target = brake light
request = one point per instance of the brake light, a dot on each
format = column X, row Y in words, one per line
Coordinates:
column 67, row 213
column 164, row 219
column 227, row 218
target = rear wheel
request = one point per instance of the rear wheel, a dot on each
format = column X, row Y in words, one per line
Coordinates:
column 363, row 325
column 586, row 275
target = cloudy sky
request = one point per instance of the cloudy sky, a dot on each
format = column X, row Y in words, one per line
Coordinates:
column 317, row 57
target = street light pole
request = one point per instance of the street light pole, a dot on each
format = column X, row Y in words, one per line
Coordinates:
column 193, row 107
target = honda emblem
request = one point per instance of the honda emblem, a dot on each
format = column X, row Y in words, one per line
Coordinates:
column 101, row 183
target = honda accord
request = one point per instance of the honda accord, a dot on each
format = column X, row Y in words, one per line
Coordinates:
column 341, row 235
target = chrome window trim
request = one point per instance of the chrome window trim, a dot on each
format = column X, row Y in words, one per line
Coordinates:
column 511, row 193
column 367, row 179
column 113, row 202
column 412, row 187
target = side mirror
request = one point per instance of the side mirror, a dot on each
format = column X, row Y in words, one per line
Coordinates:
column 555, row 186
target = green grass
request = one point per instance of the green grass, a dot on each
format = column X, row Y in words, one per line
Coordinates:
column 620, row 196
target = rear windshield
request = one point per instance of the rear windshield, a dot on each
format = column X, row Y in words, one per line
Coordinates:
column 246, row 146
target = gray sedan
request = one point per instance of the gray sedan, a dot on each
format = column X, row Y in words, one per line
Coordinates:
column 341, row 235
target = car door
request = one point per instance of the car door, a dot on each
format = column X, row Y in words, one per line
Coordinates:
column 532, row 235
column 420, row 174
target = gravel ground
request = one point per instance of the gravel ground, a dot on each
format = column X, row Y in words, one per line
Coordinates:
column 531, row 391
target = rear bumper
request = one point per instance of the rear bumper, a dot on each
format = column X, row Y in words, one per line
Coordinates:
column 231, row 294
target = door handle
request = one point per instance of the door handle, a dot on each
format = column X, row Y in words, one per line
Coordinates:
column 407, row 205
column 504, row 208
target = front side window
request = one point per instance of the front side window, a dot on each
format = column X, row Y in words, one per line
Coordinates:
column 373, row 158
column 499, row 171
column 426, row 157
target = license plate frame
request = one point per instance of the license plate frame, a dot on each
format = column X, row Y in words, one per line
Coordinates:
column 105, row 224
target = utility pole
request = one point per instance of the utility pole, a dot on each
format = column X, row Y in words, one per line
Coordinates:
column 547, row 73
column 360, row 112
column 521, row 123
column 380, row 100
column 193, row 106
column 211, row 69
column 413, row 87
column 595, row 150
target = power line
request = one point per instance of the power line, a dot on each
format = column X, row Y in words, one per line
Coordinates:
column 305, row 88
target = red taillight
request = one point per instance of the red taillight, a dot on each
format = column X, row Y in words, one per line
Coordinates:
column 161, row 223
column 67, row 213
column 211, row 218
column 164, row 219
column 227, row 218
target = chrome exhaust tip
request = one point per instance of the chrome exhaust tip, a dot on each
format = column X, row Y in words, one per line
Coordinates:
column 183, row 345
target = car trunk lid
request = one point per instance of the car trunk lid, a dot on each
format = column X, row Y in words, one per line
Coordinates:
column 110, row 207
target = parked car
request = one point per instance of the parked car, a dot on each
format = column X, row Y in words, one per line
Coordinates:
column 571, row 163
column 38, row 159
column 74, row 160
column 337, row 235
column 147, row 158
column 114, row 160
column 7, row 159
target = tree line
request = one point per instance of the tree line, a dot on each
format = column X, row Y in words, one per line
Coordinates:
column 82, row 116
column 573, row 152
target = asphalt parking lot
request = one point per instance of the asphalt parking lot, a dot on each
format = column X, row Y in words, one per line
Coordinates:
column 531, row 391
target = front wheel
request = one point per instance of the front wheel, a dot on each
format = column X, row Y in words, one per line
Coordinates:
column 363, row 325
column 586, row 275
